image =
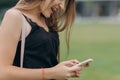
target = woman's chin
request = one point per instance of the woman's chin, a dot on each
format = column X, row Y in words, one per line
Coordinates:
column 47, row 15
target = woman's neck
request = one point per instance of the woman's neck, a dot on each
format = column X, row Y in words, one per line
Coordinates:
column 34, row 12
column 35, row 16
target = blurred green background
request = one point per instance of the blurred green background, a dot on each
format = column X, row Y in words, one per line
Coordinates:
column 7, row 3
column 99, row 41
column 94, row 39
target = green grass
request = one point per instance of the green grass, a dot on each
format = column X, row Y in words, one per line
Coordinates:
column 100, row 42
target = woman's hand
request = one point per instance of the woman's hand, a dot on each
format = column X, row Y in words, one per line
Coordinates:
column 66, row 70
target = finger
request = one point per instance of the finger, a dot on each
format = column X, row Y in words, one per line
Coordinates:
column 75, row 61
column 68, row 63
column 75, row 74
column 87, row 65
column 71, row 62
column 75, row 68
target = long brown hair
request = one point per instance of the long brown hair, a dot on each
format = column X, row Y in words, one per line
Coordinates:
column 60, row 21
column 66, row 20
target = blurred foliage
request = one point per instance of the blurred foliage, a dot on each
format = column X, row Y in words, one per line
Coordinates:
column 7, row 3
column 4, row 5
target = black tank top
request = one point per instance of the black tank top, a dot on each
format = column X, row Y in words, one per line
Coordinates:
column 41, row 48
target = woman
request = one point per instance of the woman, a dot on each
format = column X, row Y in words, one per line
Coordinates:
column 43, row 20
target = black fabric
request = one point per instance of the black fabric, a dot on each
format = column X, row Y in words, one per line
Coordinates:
column 41, row 48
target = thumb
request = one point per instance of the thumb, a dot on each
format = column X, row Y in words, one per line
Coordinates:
column 76, row 68
column 69, row 63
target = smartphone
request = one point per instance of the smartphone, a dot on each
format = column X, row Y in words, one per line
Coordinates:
column 84, row 62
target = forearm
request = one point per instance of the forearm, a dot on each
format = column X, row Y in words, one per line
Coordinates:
column 16, row 73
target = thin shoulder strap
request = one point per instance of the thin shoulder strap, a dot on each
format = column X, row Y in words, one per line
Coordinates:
column 23, row 41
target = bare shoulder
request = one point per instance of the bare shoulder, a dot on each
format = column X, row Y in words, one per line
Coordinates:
column 13, row 14
column 12, row 22
column 12, row 17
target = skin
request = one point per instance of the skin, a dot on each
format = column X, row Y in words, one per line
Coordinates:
column 10, row 32
column 55, row 4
